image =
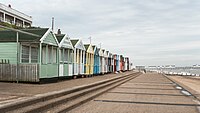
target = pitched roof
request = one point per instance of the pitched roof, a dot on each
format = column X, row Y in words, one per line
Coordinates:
column 98, row 49
column 93, row 46
column 10, row 36
column 107, row 52
column 74, row 41
column 86, row 46
column 59, row 37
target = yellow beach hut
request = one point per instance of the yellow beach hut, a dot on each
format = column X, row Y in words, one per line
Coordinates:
column 89, row 59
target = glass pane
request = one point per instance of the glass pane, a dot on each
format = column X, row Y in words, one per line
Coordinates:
column 71, row 56
column 44, row 54
column 66, row 55
column 54, row 55
column 77, row 56
column 25, row 54
column 50, row 54
column 61, row 55
column 34, row 54
column 25, row 60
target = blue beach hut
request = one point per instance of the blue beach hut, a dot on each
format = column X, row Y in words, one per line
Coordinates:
column 96, row 60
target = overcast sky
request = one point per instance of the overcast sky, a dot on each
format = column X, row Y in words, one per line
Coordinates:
column 150, row 32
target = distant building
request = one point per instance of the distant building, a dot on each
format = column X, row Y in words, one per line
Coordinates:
column 196, row 65
column 140, row 67
column 14, row 17
column 170, row 66
column 154, row 67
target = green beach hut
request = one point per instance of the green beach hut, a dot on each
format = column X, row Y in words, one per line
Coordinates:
column 28, row 55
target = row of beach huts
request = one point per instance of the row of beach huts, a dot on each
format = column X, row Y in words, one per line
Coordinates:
column 38, row 54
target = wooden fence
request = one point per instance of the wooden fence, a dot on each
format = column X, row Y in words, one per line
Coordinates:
column 26, row 72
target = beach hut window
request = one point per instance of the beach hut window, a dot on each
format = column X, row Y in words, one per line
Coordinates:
column 66, row 56
column 85, row 58
column 44, row 55
column 71, row 56
column 89, row 60
column 54, row 55
column 34, row 54
column 82, row 58
column 25, row 54
column 50, row 54
column 77, row 56
column 29, row 54
column 61, row 55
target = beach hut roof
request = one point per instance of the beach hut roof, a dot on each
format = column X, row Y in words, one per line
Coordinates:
column 96, row 50
column 74, row 42
column 110, row 55
column 94, row 47
column 101, row 52
column 86, row 46
column 64, row 41
column 107, row 52
column 10, row 36
column 59, row 37
column 89, row 48
column 77, row 43
column 43, row 35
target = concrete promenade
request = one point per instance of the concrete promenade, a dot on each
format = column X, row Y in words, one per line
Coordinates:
column 148, row 93
column 11, row 92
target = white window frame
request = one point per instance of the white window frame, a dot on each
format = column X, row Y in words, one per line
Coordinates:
column 29, row 57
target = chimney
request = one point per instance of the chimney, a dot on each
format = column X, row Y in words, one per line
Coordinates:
column 52, row 24
column 59, row 31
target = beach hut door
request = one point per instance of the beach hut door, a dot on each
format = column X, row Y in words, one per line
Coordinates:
column 61, row 70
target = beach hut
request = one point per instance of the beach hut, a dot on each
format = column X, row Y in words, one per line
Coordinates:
column 128, row 64
column 89, row 59
column 112, row 63
column 125, row 64
column 116, row 63
column 109, row 62
column 28, row 55
column 79, row 57
column 121, row 63
column 101, row 61
column 65, row 56
column 96, row 60
column 106, row 61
